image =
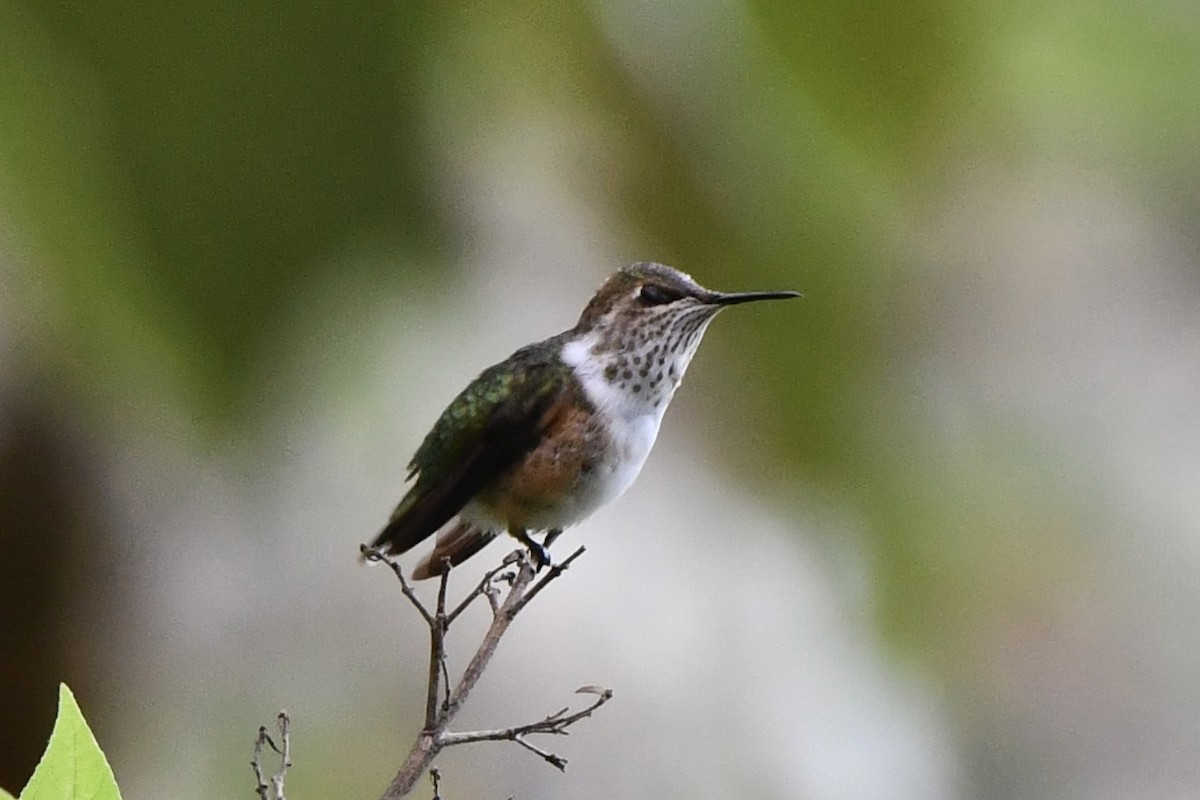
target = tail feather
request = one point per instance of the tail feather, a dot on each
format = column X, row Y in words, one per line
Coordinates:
column 408, row 527
column 458, row 541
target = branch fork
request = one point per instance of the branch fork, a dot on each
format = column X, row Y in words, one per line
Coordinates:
column 274, row 789
column 508, row 589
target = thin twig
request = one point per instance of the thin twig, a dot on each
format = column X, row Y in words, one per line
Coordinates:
column 484, row 587
column 445, row 681
column 437, row 651
column 442, row 586
column 553, row 759
column 521, row 588
column 285, row 757
column 378, row 554
column 556, row 723
column 261, row 786
column 273, row 790
column 493, row 597
column 491, row 640
column 554, row 571
column 435, row 775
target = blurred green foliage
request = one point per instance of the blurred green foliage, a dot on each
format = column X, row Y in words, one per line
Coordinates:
column 174, row 173
column 178, row 170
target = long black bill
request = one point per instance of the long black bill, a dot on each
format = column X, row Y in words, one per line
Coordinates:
column 733, row 298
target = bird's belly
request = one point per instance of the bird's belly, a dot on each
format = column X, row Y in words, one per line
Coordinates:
column 566, row 478
column 611, row 476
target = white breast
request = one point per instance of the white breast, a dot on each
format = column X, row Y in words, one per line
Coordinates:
column 632, row 421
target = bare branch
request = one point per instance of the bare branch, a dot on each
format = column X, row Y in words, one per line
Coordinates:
column 485, row 587
column 379, row 554
column 491, row 640
column 261, row 786
column 273, row 790
column 554, row 760
column 507, row 588
column 556, row 723
column 554, row 571
column 435, row 776
column 437, row 650
column 518, row 575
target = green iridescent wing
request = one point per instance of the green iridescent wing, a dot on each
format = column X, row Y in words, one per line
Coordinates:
column 492, row 423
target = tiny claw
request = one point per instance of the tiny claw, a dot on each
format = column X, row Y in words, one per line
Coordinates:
column 541, row 556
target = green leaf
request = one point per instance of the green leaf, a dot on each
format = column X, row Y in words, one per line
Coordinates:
column 73, row 767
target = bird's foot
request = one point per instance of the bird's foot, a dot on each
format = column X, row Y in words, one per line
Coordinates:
column 541, row 556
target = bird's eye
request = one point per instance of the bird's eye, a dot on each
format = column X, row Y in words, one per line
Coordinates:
column 654, row 295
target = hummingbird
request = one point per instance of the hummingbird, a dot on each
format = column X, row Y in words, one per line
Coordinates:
column 561, row 427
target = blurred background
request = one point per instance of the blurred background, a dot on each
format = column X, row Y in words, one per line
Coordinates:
column 931, row 532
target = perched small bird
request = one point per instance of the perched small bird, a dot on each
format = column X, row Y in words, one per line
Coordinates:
column 559, row 428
